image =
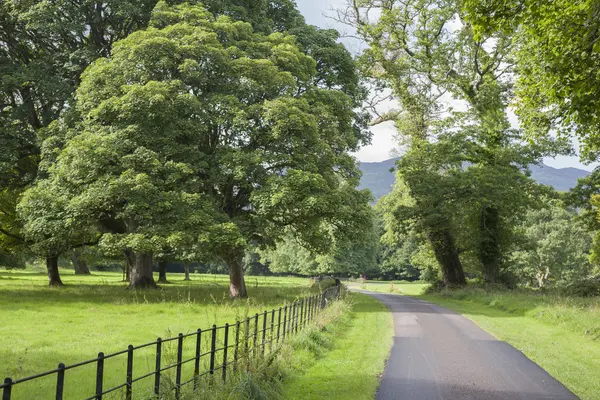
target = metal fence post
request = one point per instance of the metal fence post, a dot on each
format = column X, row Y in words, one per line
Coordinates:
column 301, row 313
column 323, row 300
column 213, row 345
column 255, row 334
column 99, row 375
column 60, row 381
column 278, row 324
column 178, row 368
column 197, row 359
column 225, row 341
column 264, row 331
column 295, row 321
column 128, row 386
column 235, row 351
column 157, row 366
column 246, row 337
column 7, row 389
column 298, row 315
column 284, row 322
column 292, row 319
column 272, row 327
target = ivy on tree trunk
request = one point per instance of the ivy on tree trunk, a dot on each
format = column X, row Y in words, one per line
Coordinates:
column 446, row 254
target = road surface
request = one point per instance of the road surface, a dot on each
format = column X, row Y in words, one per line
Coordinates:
column 439, row 354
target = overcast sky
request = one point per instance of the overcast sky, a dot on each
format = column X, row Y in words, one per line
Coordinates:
column 383, row 143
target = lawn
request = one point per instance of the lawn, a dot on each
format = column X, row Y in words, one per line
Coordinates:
column 360, row 344
column 43, row 326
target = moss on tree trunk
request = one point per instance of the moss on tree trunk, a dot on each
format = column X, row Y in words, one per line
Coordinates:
column 489, row 251
column 446, row 254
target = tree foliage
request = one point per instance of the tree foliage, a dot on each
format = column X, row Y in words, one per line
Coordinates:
column 462, row 177
column 555, row 247
column 558, row 57
column 201, row 126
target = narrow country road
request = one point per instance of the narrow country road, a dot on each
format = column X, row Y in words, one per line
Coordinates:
column 439, row 354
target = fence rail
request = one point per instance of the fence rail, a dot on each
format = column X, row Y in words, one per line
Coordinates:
column 245, row 339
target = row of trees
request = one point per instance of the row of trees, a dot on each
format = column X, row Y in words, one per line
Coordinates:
column 456, row 70
column 165, row 131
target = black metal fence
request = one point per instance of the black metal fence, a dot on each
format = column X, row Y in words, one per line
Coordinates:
column 216, row 351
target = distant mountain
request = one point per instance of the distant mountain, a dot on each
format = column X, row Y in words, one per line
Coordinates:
column 379, row 179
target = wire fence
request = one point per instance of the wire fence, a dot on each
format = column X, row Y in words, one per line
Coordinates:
column 216, row 351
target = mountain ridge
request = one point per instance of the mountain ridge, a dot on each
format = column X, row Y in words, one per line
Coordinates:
column 378, row 178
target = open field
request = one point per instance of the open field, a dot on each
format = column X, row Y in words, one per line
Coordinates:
column 42, row 326
column 359, row 346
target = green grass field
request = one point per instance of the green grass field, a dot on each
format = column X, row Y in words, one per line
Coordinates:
column 360, row 344
column 42, row 326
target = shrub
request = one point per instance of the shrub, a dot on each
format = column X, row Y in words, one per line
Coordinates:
column 582, row 288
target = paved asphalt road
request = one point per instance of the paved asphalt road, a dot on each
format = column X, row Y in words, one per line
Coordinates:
column 439, row 354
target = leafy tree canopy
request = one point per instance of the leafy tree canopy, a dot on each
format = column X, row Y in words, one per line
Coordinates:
column 201, row 122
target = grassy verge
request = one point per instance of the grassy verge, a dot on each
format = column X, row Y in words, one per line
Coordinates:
column 350, row 356
column 339, row 356
column 395, row 287
column 561, row 334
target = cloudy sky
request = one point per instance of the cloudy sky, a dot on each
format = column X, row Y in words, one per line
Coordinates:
column 315, row 12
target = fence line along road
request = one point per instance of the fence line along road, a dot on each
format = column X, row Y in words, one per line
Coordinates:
column 236, row 342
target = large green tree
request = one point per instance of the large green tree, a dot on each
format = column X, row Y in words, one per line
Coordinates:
column 44, row 48
column 463, row 165
column 584, row 197
column 202, row 119
column 555, row 249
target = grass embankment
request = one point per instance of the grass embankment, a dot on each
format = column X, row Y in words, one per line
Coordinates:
column 351, row 358
column 339, row 356
column 41, row 326
column 561, row 334
column 395, row 287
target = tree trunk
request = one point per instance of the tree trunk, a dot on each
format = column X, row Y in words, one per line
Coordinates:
column 53, row 275
column 130, row 261
column 79, row 264
column 162, row 272
column 141, row 273
column 489, row 252
column 446, row 255
column 186, row 269
column 237, row 285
